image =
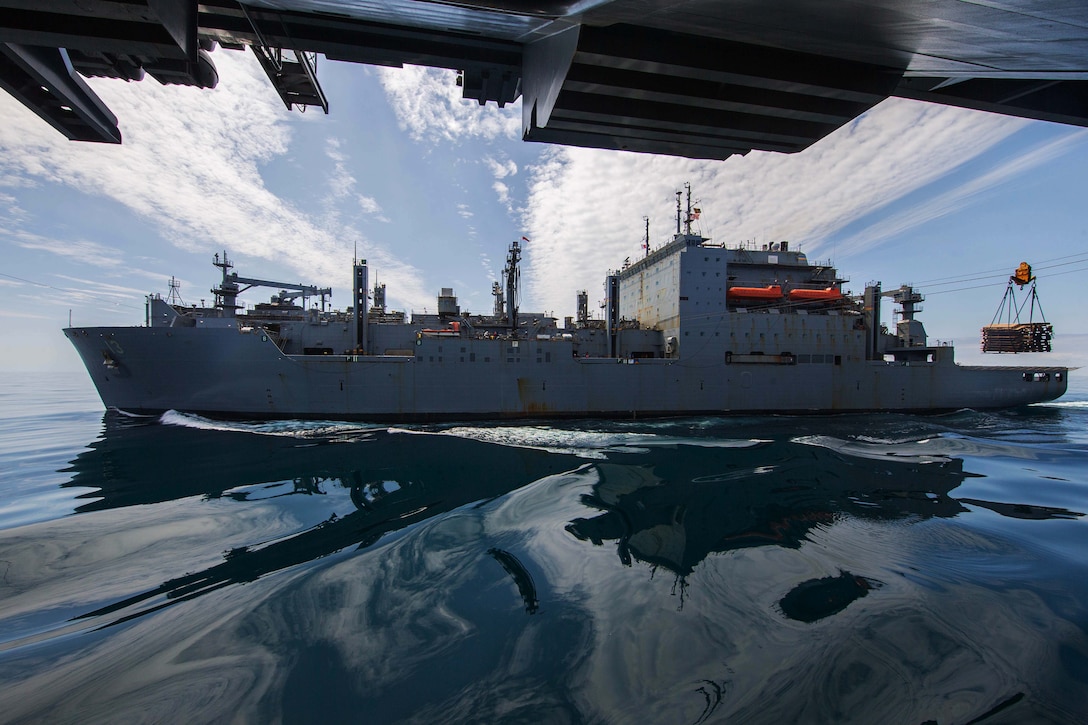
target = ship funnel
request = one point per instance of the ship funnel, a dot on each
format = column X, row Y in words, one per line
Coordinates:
column 447, row 303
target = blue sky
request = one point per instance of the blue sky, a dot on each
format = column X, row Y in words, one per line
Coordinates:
column 432, row 189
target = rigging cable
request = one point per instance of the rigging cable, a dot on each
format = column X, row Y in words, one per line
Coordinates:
column 981, row 286
column 1044, row 264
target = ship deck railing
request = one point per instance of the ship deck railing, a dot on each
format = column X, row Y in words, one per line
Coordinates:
column 626, row 360
column 409, row 358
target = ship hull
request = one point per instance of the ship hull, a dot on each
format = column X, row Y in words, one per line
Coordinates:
column 234, row 374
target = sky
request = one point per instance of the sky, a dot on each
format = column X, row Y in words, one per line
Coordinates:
column 431, row 189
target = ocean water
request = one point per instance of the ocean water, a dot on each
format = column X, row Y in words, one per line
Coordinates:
column 835, row 569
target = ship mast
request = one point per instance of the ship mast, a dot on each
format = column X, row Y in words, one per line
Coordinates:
column 512, row 275
column 226, row 294
column 686, row 217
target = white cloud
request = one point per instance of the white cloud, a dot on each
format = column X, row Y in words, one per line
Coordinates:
column 101, row 289
column 341, row 182
column 890, row 226
column 82, row 251
column 332, row 149
column 485, row 262
column 88, row 253
column 500, row 169
column 191, row 163
column 429, row 106
column 369, row 205
column 585, row 206
column 10, row 314
column 87, row 294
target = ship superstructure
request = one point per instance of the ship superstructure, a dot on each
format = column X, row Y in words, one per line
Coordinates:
column 693, row 327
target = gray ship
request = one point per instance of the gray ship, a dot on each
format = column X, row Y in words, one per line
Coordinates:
column 693, row 328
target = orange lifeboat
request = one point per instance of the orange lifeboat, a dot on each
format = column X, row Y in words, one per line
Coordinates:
column 828, row 294
column 770, row 292
column 454, row 330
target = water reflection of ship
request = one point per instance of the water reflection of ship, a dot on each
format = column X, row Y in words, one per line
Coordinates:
column 394, row 480
column 674, row 510
column 671, row 507
column 138, row 462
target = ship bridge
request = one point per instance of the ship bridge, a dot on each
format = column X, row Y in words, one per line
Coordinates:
column 696, row 78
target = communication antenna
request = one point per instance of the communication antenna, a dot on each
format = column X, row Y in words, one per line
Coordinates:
column 687, row 220
column 691, row 214
column 174, row 296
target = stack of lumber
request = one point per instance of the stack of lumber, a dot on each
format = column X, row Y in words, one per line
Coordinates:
column 1018, row 337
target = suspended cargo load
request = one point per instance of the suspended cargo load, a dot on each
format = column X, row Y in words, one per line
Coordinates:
column 1011, row 334
column 1020, row 337
column 1022, row 275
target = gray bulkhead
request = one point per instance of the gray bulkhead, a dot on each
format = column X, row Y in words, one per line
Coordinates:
column 681, row 290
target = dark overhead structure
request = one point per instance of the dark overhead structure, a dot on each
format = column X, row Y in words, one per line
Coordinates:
column 696, row 78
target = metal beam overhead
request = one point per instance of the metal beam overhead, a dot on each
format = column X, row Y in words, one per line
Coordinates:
column 698, row 78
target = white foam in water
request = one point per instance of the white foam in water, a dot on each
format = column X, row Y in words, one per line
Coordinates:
column 908, row 451
column 939, row 449
column 1073, row 404
column 585, row 443
column 126, row 414
column 289, row 428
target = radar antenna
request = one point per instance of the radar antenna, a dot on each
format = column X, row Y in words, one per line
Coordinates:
column 174, row 296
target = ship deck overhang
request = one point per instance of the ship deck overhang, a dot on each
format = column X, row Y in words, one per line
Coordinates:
column 699, row 78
